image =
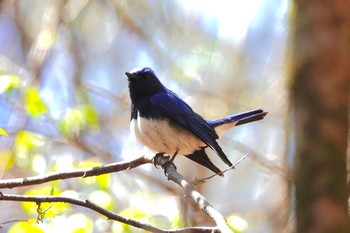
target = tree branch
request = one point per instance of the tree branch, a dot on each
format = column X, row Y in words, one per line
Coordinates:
column 169, row 170
column 110, row 215
column 82, row 172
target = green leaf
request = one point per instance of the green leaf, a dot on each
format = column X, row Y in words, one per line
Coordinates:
column 118, row 227
column 3, row 132
column 237, row 224
column 89, row 163
column 46, row 209
column 135, row 213
column 80, row 223
column 27, row 141
column 104, row 181
column 91, row 116
column 52, row 190
column 9, row 82
column 102, row 199
column 79, row 118
column 24, row 227
column 7, row 158
column 34, row 105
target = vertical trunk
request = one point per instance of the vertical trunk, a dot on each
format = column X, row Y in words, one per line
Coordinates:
column 321, row 98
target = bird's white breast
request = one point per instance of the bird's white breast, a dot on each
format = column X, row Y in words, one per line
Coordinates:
column 160, row 136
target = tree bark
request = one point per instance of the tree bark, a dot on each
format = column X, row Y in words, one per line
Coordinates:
column 320, row 91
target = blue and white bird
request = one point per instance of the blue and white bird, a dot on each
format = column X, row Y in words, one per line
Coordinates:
column 164, row 123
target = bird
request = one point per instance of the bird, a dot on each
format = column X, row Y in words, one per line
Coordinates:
column 166, row 124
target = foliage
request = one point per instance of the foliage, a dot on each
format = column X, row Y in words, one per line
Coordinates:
column 3, row 132
column 77, row 119
column 34, row 104
column 237, row 224
column 25, row 227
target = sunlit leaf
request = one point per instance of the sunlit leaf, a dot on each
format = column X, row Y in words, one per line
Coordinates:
column 24, row 227
column 32, row 220
column 79, row 118
column 34, row 105
column 134, row 213
column 102, row 199
column 7, row 159
column 60, row 207
column 80, row 223
column 237, row 224
column 27, row 141
column 177, row 222
column 49, row 213
column 31, row 208
column 3, row 132
column 9, row 82
column 89, row 163
column 91, row 116
column 104, row 181
column 52, row 190
column 73, row 122
column 118, row 227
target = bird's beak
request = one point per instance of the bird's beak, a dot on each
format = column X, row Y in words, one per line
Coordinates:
column 129, row 75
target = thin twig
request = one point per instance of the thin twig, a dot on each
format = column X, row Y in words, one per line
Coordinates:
column 227, row 169
column 12, row 221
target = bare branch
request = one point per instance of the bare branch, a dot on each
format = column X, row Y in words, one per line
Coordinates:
column 82, row 172
column 170, row 170
column 110, row 215
column 227, row 169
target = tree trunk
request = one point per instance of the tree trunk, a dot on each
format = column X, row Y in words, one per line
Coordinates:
column 320, row 91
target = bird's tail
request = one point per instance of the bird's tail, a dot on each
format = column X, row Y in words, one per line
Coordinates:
column 221, row 125
column 201, row 157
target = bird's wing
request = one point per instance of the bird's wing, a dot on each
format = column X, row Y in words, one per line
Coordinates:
column 180, row 112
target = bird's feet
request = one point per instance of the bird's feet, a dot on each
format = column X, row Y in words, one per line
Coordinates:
column 167, row 163
column 156, row 157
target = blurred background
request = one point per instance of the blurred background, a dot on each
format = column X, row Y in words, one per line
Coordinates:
column 64, row 104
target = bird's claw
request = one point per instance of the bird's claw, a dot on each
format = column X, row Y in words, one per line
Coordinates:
column 166, row 164
column 154, row 159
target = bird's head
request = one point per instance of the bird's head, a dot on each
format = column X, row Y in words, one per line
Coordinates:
column 143, row 82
